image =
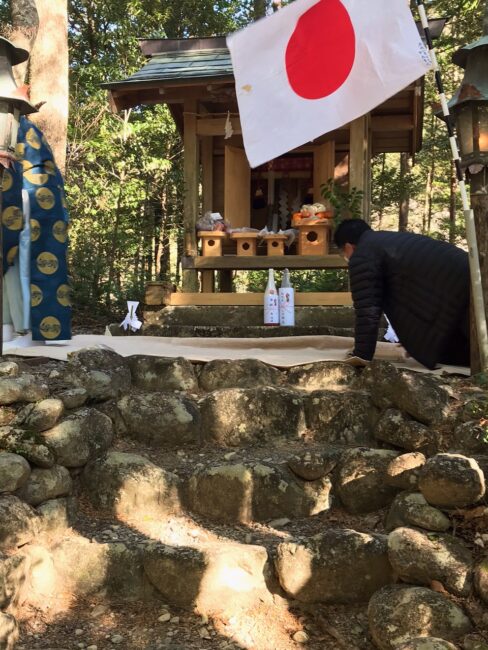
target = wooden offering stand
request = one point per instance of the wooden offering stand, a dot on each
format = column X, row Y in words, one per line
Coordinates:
column 246, row 242
column 212, row 242
column 275, row 244
column 313, row 238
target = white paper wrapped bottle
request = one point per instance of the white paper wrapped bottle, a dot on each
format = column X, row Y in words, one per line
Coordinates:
column 287, row 301
column 271, row 306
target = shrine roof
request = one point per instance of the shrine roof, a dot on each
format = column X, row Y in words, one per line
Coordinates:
column 180, row 60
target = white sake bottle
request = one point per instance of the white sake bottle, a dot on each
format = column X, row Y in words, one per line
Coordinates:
column 271, row 306
column 287, row 301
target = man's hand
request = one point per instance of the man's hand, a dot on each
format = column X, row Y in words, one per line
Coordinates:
column 357, row 362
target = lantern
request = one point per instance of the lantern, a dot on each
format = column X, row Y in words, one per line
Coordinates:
column 470, row 104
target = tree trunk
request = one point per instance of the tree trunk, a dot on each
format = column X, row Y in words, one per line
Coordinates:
column 164, row 260
column 259, row 9
column 49, row 75
column 429, row 187
column 148, row 231
column 23, row 32
column 382, row 192
column 113, row 245
column 404, row 205
column 427, row 203
column 452, row 206
column 162, row 240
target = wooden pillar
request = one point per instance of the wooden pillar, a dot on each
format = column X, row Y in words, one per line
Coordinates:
column 191, row 177
column 237, row 187
column 323, row 167
column 360, row 160
column 225, row 281
column 207, row 281
column 207, row 173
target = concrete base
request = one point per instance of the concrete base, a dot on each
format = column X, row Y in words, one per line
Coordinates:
column 229, row 316
column 246, row 322
column 242, row 332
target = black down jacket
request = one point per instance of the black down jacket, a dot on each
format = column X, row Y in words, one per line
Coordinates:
column 421, row 284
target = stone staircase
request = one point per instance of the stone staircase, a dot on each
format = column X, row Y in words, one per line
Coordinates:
column 150, row 503
column 243, row 322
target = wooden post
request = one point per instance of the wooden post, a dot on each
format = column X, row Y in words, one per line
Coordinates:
column 208, row 281
column 360, row 160
column 225, row 281
column 323, row 167
column 237, row 187
column 158, row 293
column 479, row 203
column 207, row 173
column 191, row 169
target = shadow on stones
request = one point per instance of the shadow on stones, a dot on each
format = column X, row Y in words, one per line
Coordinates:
column 143, row 577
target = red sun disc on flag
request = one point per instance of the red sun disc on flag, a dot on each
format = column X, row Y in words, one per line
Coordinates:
column 321, row 51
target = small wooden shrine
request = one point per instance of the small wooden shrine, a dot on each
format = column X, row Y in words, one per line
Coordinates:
column 194, row 78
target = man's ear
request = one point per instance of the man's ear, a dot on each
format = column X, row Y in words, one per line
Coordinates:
column 349, row 250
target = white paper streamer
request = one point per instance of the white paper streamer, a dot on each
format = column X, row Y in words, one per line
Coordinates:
column 131, row 321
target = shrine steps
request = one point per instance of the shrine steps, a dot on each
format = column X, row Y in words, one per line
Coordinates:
column 238, row 505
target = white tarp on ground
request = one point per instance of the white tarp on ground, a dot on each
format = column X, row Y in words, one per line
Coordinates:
column 282, row 352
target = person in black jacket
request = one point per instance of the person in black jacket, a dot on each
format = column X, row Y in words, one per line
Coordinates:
column 421, row 284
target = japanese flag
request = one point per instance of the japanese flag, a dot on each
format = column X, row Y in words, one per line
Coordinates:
column 316, row 65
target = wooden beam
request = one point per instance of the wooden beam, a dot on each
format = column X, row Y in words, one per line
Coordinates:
column 400, row 102
column 278, row 175
column 166, row 85
column 243, row 263
column 190, row 171
column 392, row 123
column 360, row 160
column 153, row 92
column 207, row 174
column 256, row 299
column 216, row 126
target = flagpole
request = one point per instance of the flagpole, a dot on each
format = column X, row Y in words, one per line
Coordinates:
column 474, row 262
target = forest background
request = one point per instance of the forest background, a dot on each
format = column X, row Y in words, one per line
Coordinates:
column 124, row 171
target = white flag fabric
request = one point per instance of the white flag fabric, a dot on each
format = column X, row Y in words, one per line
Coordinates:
column 316, row 65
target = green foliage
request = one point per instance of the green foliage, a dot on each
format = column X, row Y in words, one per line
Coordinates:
column 124, row 173
column 301, row 280
column 481, row 379
column 4, row 11
column 347, row 204
column 476, row 409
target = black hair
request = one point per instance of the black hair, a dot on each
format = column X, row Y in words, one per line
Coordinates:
column 350, row 232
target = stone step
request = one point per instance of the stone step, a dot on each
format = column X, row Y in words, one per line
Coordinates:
column 251, row 316
column 223, row 578
column 244, row 322
column 245, row 490
column 239, row 417
column 216, row 576
column 240, row 490
column 240, row 331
